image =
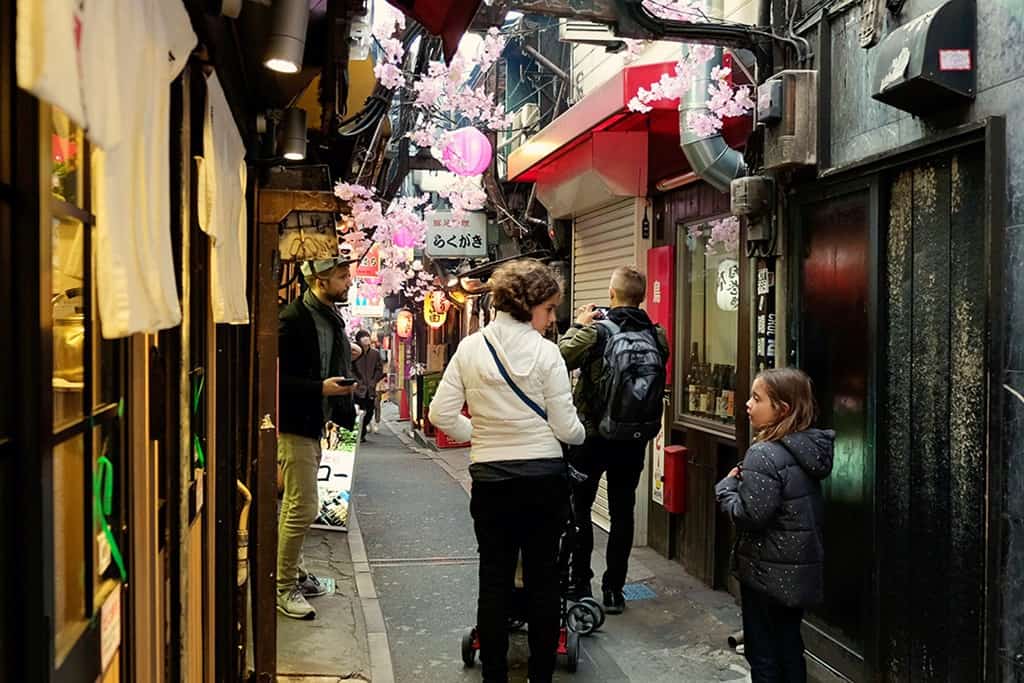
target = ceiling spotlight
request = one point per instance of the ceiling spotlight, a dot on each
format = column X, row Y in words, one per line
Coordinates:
column 287, row 40
column 293, row 135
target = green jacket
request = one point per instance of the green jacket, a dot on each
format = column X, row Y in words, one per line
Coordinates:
column 579, row 347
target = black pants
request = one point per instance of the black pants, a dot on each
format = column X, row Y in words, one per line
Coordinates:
column 367, row 404
column 773, row 645
column 525, row 514
column 623, row 462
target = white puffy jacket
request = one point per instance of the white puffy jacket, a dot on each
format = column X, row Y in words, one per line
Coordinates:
column 503, row 427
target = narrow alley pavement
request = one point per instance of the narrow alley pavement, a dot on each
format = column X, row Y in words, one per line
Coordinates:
column 412, row 509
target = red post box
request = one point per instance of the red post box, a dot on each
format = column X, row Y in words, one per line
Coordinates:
column 675, row 479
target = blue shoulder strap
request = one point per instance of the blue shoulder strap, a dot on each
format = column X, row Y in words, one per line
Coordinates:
column 512, row 385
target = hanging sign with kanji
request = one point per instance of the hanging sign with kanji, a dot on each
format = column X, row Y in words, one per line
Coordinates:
column 462, row 238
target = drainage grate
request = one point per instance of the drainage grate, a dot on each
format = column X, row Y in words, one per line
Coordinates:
column 637, row 591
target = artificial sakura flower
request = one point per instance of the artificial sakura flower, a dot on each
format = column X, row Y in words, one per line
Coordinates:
column 703, row 124
column 389, row 75
column 391, row 280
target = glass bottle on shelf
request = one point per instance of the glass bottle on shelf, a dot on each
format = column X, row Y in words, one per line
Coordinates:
column 700, row 390
column 708, row 402
column 692, row 384
column 722, row 388
column 730, row 404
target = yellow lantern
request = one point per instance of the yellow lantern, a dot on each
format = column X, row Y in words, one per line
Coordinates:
column 435, row 309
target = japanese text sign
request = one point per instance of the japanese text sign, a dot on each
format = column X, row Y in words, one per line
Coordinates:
column 462, row 238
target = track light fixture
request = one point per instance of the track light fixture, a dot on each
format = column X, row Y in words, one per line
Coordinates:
column 287, row 40
column 293, row 134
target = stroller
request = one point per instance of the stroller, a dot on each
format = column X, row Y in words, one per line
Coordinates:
column 578, row 618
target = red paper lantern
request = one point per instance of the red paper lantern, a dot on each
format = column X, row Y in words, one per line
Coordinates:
column 467, row 152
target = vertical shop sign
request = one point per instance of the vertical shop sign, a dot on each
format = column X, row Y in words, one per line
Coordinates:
column 766, row 323
column 661, row 289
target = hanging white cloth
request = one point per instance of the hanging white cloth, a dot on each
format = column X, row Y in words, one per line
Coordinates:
column 135, row 276
column 46, row 55
column 109, row 65
column 222, row 207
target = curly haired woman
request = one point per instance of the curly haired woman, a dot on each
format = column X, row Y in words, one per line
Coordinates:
column 519, row 496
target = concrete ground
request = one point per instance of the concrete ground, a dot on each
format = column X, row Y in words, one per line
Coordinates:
column 407, row 584
column 333, row 646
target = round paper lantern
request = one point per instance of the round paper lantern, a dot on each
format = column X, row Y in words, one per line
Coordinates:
column 467, row 152
column 728, row 286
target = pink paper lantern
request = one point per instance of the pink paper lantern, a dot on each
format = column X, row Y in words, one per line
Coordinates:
column 467, row 152
column 403, row 237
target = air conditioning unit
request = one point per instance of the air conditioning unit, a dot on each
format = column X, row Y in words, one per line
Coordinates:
column 525, row 118
column 586, row 33
column 528, row 115
column 787, row 106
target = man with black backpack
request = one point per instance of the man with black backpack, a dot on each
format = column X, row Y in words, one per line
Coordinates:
column 621, row 356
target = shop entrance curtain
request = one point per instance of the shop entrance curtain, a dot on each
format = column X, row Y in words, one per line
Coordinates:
column 109, row 64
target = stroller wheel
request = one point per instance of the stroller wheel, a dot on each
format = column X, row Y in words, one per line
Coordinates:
column 581, row 619
column 572, row 652
column 468, row 652
column 598, row 610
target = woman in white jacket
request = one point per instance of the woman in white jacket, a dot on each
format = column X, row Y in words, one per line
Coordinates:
column 520, row 493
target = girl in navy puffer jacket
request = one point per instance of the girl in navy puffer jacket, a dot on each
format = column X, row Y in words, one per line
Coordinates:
column 774, row 499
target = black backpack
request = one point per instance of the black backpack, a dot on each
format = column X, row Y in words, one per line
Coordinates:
column 632, row 384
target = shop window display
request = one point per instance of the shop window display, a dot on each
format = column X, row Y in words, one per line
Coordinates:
column 706, row 390
column 86, row 381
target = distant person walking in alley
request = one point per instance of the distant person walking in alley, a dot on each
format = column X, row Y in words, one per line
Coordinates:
column 774, row 499
column 368, row 370
column 315, row 359
column 621, row 355
column 519, row 395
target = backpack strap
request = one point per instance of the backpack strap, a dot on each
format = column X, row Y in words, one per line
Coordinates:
column 512, row 385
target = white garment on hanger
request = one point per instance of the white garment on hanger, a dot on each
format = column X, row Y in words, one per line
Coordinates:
column 46, row 54
column 149, row 42
column 222, row 208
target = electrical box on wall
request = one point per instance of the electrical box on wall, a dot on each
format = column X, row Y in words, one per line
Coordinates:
column 929, row 63
column 750, row 195
column 789, row 103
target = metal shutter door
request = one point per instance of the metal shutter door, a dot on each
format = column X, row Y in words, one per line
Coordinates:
column 602, row 240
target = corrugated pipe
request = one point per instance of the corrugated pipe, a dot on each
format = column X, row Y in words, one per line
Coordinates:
column 710, row 157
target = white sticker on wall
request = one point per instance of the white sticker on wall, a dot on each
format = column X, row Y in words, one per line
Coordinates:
column 955, row 60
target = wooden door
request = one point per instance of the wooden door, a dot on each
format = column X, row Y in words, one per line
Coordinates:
column 835, row 346
column 932, row 463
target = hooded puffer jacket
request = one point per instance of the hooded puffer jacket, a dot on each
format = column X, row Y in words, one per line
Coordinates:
column 778, row 511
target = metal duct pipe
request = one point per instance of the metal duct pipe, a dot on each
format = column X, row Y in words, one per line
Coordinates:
column 710, row 157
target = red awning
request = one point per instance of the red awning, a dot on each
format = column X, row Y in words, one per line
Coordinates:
column 604, row 109
column 446, row 18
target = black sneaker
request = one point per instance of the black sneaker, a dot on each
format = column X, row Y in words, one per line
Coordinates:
column 614, row 603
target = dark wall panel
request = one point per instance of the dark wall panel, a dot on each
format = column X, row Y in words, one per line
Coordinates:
column 929, row 457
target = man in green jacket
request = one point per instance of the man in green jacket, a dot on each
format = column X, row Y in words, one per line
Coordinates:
column 582, row 347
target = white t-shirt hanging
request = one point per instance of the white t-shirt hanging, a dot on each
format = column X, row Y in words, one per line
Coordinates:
column 222, row 208
column 135, row 276
column 47, row 55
